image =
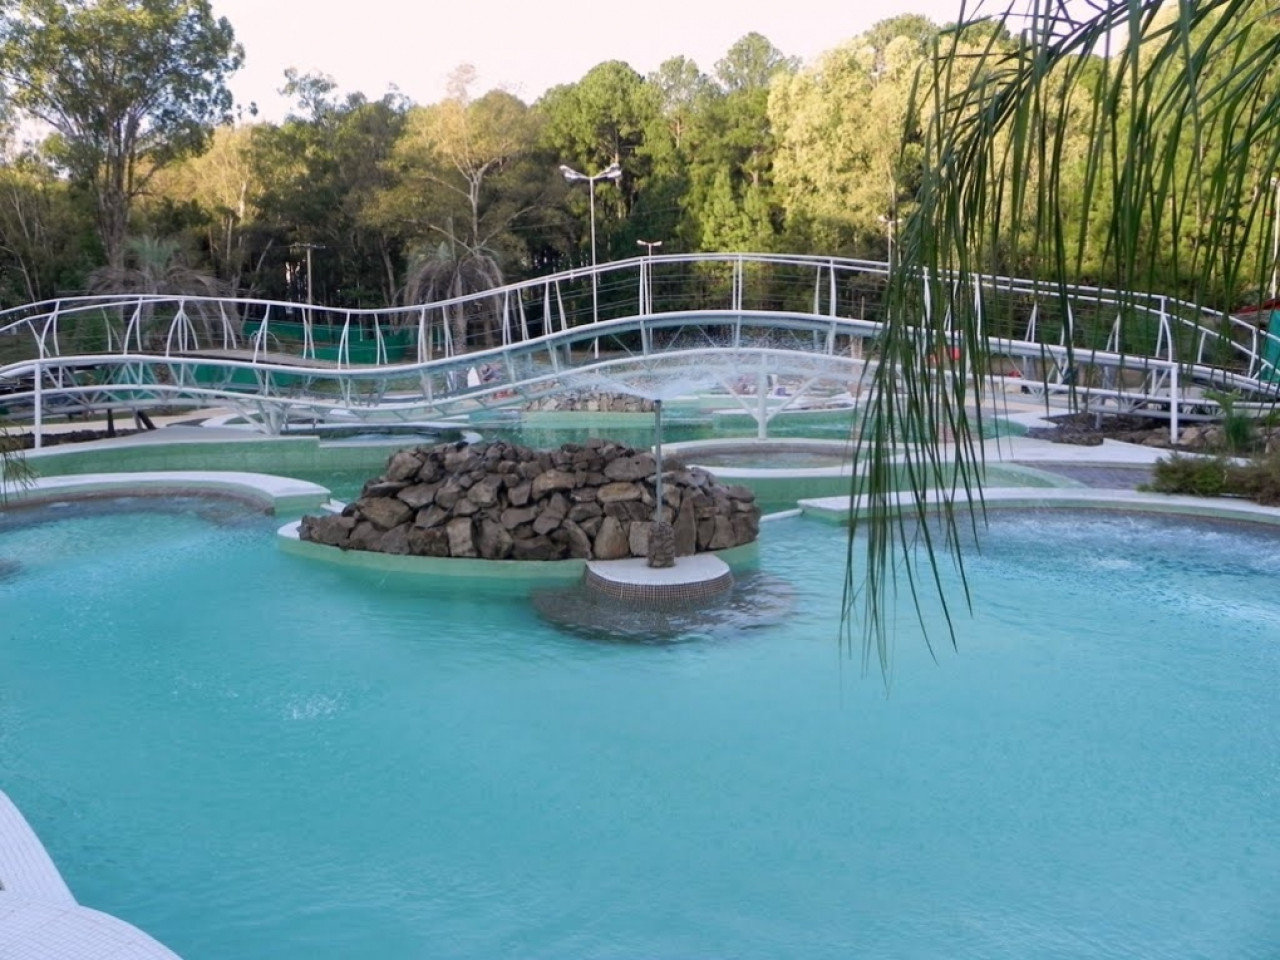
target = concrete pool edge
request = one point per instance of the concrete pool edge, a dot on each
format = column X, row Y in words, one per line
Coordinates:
column 39, row 916
column 839, row 510
column 283, row 495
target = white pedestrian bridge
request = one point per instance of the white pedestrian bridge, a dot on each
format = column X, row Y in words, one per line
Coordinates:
column 748, row 324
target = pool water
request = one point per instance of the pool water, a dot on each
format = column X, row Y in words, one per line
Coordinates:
column 251, row 755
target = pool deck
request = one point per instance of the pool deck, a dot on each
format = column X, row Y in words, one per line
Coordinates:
column 40, row 919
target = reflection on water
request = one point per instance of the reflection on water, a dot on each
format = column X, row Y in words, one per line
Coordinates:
column 756, row 600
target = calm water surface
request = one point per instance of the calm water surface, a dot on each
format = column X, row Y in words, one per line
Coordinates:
column 251, row 755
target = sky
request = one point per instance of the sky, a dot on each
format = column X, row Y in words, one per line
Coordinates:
column 523, row 46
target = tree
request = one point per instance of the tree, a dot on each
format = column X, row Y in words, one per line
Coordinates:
column 218, row 186
column 848, row 155
column 1198, row 78
column 315, row 179
column 445, row 273
column 461, row 172
column 128, row 85
column 607, row 117
column 730, row 200
column 45, row 232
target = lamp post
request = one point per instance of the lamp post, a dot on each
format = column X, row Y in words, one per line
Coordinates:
column 611, row 172
column 646, row 271
column 890, row 227
column 308, row 247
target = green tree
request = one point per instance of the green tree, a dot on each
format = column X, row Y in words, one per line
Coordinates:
column 129, row 85
column 463, row 171
column 848, row 156
column 730, row 201
column 314, row 178
column 45, row 232
column 1151, row 86
column 220, row 188
column 606, row 117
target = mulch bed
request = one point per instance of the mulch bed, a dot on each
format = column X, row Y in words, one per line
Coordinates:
column 1088, row 430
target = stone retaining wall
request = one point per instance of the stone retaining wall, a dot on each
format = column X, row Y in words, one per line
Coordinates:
column 591, row 402
column 501, row 501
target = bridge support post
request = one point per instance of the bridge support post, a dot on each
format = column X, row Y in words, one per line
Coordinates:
column 657, row 456
column 1173, row 403
column 762, row 403
column 37, row 425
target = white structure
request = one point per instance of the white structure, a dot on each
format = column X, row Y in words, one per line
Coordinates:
column 40, row 919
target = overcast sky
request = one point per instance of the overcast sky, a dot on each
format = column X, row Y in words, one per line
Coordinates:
column 525, row 46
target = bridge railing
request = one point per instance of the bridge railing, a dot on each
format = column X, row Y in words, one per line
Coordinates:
column 350, row 340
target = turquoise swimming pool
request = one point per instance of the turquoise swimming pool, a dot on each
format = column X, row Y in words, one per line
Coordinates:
column 250, row 755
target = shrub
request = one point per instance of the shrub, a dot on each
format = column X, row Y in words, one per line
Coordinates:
column 1196, row 476
column 1237, row 427
column 1259, row 479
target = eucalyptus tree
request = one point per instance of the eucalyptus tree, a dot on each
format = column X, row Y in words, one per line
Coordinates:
column 463, row 171
column 127, row 85
column 46, row 232
column 218, row 188
column 1160, row 81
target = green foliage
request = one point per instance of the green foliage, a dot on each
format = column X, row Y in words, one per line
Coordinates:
column 1131, row 142
column 315, row 179
column 45, row 232
column 1257, row 478
column 1192, row 476
column 130, row 85
column 1238, row 427
column 15, row 470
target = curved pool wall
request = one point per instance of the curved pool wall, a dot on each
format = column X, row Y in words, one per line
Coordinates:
column 840, row 510
column 193, row 448
column 344, row 466
column 783, row 486
column 505, row 574
column 274, row 494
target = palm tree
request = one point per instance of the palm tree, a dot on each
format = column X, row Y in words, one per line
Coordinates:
column 154, row 266
column 1136, row 147
column 446, row 272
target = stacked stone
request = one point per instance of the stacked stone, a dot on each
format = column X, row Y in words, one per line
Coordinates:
column 592, row 402
column 501, row 501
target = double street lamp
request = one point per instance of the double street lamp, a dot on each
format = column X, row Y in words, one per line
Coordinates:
column 611, row 172
column 646, row 274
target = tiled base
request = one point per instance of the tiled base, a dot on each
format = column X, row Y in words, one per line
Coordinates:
column 691, row 580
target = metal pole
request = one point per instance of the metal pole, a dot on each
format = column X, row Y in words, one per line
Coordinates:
column 39, row 408
column 595, row 297
column 646, row 275
column 657, row 447
column 762, row 402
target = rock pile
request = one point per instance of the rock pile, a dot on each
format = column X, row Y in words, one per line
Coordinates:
column 592, row 402
column 500, row 501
